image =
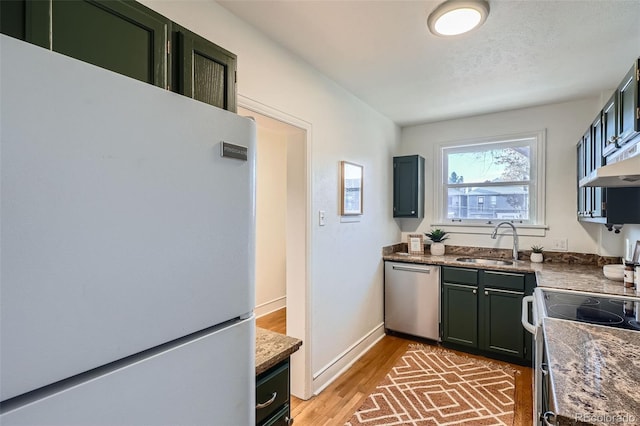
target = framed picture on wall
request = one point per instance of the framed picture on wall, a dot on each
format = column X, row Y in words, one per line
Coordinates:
column 351, row 180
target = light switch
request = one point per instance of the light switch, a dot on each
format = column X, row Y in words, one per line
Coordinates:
column 321, row 220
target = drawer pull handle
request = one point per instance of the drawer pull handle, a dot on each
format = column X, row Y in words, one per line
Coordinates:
column 267, row 403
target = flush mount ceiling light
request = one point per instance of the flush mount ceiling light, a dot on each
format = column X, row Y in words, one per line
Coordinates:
column 455, row 17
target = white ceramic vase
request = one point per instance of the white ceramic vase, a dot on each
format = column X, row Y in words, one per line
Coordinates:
column 536, row 257
column 437, row 249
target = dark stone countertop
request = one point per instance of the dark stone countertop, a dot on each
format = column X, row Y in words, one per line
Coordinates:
column 272, row 347
column 594, row 373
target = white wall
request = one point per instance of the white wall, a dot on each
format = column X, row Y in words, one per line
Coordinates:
column 271, row 215
column 345, row 261
column 565, row 123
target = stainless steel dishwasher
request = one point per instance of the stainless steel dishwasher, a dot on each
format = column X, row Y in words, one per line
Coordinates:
column 412, row 299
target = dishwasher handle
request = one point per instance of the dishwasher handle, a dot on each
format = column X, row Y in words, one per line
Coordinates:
column 411, row 269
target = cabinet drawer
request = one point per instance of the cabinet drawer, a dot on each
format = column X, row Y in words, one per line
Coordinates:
column 272, row 391
column 281, row 418
column 504, row 280
column 460, row 275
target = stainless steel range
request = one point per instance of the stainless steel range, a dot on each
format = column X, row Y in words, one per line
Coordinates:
column 592, row 308
column 611, row 311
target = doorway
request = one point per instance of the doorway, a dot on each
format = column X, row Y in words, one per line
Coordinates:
column 282, row 199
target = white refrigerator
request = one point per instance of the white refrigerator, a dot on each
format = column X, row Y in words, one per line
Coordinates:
column 127, row 250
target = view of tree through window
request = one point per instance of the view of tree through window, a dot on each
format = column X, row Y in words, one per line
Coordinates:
column 489, row 181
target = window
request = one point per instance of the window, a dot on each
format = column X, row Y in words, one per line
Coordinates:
column 487, row 181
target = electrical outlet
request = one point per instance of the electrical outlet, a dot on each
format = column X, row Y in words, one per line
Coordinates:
column 559, row 244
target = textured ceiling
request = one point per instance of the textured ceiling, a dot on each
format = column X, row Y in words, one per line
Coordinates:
column 529, row 52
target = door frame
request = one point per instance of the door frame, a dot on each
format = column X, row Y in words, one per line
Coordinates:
column 298, row 310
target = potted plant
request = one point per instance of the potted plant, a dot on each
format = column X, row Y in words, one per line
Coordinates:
column 536, row 254
column 437, row 236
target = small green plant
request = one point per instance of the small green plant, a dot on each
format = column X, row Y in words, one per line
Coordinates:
column 436, row 235
column 536, row 249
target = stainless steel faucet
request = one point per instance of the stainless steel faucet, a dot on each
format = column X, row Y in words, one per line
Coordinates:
column 515, row 237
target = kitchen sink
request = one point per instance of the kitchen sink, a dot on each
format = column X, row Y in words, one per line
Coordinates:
column 484, row 261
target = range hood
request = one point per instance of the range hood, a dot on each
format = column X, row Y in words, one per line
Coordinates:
column 622, row 173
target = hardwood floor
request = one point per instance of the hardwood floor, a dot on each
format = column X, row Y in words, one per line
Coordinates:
column 337, row 403
column 275, row 321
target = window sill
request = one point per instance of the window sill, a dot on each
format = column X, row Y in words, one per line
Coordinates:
column 528, row 230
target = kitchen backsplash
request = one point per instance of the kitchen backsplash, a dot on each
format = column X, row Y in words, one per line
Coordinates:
column 549, row 256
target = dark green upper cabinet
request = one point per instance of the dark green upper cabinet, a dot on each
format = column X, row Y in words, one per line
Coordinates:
column 621, row 113
column 206, row 72
column 118, row 35
column 591, row 200
column 610, row 125
column 408, row 186
column 13, row 18
column 629, row 105
column 128, row 38
column 616, row 128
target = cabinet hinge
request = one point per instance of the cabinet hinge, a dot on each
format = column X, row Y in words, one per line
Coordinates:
column 168, row 47
column 235, row 77
column 604, row 206
column 638, row 75
column 638, row 113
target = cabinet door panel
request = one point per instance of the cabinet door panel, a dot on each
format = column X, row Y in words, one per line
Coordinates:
column 207, row 71
column 596, row 161
column 610, row 123
column 460, row 314
column 503, row 332
column 408, row 186
column 580, row 168
column 628, row 104
column 121, row 37
column 12, row 18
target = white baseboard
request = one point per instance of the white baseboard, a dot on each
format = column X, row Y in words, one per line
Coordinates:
column 346, row 359
column 270, row 306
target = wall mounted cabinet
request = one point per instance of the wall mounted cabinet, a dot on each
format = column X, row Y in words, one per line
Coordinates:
column 128, row 38
column 205, row 72
column 408, row 186
column 616, row 128
column 621, row 113
column 591, row 200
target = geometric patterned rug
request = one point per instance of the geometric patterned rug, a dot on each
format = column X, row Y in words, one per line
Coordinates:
column 433, row 386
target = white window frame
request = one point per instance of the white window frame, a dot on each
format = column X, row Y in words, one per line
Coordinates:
column 535, row 226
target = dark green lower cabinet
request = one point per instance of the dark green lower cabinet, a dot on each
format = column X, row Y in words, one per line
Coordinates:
column 481, row 312
column 280, row 419
column 460, row 314
column 503, row 332
column 272, row 396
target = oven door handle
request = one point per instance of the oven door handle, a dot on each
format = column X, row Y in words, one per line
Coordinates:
column 526, row 301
